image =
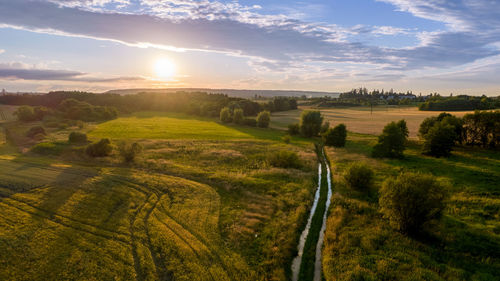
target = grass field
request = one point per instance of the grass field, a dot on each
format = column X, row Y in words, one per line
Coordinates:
column 465, row 245
column 361, row 119
column 201, row 203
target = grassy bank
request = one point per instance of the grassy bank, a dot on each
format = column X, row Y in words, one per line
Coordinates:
column 465, row 245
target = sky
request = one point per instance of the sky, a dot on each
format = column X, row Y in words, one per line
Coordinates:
column 96, row 45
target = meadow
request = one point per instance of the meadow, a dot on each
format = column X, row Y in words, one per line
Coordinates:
column 464, row 245
column 362, row 119
column 200, row 203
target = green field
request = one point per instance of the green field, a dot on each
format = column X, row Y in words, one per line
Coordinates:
column 201, row 203
column 465, row 245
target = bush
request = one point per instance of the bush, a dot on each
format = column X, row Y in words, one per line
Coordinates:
column 77, row 137
column 324, row 127
column 294, row 129
column 439, row 140
column 285, row 159
column 263, row 119
column 238, row 116
column 411, row 200
column 335, row 136
column 34, row 131
column 286, row 138
column 225, row 115
column 250, row 122
column 310, row 123
column 99, row 149
column 359, row 176
column 391, row 143
column 130, row 151
column 25, row 113
column 48, row 148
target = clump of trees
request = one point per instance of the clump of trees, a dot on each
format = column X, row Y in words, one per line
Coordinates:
column 482, row 128
column 412, row 200
column 285, row 159
column 99, row 149
column 130, row 151
column 263, row 119
column 238, row 116
column 459, row 103
column 359, row 176
column 392, row 142
column 28, row 113
column 77, row 137
column 336, row 136
column 310, row 123
column 294, row 129
column 36, row 132
column 225, row 115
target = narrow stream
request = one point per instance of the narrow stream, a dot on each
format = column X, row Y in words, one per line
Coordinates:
column 297, row 261
column 317, row 264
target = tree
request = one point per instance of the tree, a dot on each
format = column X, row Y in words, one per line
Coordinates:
column 25, row 113
column 130, row 151
column 411, row 200
column 359, row 176
column 335, row 136
column 293, row 129
column 238, row 116
column 403, row 127
column 391, row 143
column 310, row 123
column 225, row 115
column 99, row 149
column 263, row 119
column 77, row 137
column 439, row 140
column 324, row 127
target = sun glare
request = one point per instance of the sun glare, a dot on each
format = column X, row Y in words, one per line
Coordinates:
column 164, row 68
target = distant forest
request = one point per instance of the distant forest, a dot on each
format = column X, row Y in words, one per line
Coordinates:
column 458, row 103
column 196, row 103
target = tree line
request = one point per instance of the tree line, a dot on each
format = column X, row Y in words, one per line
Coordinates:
column 457, row 103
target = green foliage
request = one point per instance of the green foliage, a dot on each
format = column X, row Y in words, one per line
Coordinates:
column 459, row 103
column 79, row 110
column 238, row 116
column 225, row 115
column 324, row 127
column 411, row 200
column 359, row 176
column 391, row 143
column 99, row 149
column 403, row 127
column 310, row 123
column 263, row 119
column 77, row 137
column 439, row 140
column 285, row 159
column 35, row 132
column 294, row 129
column 48, row 148
column 130, row 151
column 336, row 136
column 482, row 128
column 25, row 113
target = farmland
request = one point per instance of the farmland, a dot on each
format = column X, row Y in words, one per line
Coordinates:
column 197, row 205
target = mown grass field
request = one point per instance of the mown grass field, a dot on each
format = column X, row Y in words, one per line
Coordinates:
column 200, row 203
column 361, row 119
column 465, row 245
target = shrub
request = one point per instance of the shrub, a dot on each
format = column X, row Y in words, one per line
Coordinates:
column 310, row 123
column 403, row 127
column 25, row 113
column 391, row 143
column 286, row 138
column 34, row 131
column 294, row 129
column 335, row 136
column 285, row 159
column 359, row 176
column 225, row 115
column 238, row 116
column 411, row 200
column 130, row 151
column 99, row 149
column 324, row 127
column 77, row 137
column 439, row 140
column 263, row 119
column 48, row 148
column 250, row 122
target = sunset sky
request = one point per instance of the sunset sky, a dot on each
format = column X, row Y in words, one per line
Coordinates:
column 97, row 45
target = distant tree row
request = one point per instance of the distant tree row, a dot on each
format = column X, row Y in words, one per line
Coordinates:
column 457, row 103
column 196, row 103
column 237, row 116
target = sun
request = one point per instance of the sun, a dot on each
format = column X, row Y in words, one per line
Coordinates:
column 164, row 68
